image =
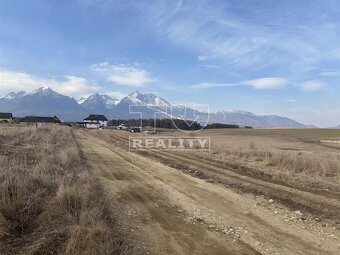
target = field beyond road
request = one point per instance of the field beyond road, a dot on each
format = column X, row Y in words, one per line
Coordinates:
column 261, row 191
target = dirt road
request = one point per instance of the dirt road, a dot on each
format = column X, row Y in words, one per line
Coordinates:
column 170, row 212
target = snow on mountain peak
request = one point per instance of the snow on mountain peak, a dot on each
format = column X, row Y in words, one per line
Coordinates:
column 42, row 90
column 234, row 111
column 13, row 95
column 109, row 101
column 135, row 94
column 81, row 100
column 96, row 99
column 48, row 101
column 146, row 99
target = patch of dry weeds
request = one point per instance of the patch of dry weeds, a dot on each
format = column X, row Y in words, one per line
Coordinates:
column 50, row 201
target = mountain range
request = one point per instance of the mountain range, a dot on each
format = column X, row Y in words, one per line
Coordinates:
column 46, row 102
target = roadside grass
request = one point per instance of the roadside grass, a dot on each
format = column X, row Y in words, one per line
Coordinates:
column 50, row 200
column 313, row 163
column 291, row 151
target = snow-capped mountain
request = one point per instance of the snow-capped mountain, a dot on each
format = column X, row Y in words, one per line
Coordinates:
column 147, row 99
column 42, row 90
column 99, row 103
column 13, row 95
column 148, row 104
column 245, row 118
column 233, row 111
column 278, row 121
column 130, row 100
column 45, row 101
column 137, row 98
column 81, row 100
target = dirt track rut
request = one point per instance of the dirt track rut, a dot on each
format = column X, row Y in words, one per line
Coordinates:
column 174, row 213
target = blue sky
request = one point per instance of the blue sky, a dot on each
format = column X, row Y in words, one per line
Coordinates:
column 267, row 57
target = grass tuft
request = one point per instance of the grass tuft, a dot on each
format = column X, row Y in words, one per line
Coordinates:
column 50, row 200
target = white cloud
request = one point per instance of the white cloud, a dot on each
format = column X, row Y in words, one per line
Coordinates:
column 128, row 74
column 216, row 31
column 17, row 81
column 261, row 83
column 267, row 83
column 72, row 85
column 76, row 86
column 313, row 85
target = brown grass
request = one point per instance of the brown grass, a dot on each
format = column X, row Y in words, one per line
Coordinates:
column 312, row 163
column 291, row 152
column 292, row 156
column 50, row 201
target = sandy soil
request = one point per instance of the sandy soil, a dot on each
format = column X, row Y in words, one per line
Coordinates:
column 175, row 204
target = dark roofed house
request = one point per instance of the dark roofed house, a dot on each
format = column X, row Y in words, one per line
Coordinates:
column 96, row 117
column 40, row 120
column 95, row 121
column 6, row 117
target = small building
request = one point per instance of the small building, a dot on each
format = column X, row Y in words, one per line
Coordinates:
column 40, row 120
column 122, row 127
column 6, row 117
column 135, row 129
column 81, row 124
column 95, row 121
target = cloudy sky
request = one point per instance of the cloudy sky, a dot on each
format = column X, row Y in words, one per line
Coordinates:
column 267, row 57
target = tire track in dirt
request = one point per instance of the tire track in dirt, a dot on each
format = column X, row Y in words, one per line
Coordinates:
column 244, row 171
column 325, row 206
column 162, row 227
column 216, row 205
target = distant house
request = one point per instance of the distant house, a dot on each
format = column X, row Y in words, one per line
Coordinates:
column 6, row 117
column 40, row 120
column 122, row 127
column 95, row 121
column 135, row 129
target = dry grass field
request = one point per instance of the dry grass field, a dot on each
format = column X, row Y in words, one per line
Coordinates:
column 259, row 191
column 285, row 153
column 50, row 201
